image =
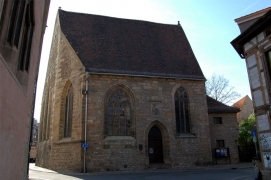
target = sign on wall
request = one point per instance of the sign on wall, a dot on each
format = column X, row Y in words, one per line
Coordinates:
column 222, row 152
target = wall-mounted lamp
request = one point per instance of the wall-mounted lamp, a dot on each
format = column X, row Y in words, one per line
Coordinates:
column 84, row 92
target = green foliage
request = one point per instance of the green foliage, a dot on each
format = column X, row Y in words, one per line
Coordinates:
column 245, row 137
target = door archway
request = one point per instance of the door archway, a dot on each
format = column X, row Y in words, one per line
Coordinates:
column 155, row 145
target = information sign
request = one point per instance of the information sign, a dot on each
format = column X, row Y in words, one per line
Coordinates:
column 221, row 152
column 85, row 145
column 253, row 133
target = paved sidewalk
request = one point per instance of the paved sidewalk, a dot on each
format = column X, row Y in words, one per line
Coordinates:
column 231, row 166
column 33, row 167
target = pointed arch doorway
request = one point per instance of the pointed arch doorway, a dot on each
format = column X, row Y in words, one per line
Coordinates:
column 155, row 145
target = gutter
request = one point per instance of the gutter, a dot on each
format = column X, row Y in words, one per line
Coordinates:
column 86, row 113
column 149, row 76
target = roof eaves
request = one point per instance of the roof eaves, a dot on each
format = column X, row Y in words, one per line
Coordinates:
column 223, row 110
column 144, row 74
column 252, row 16
column 250, row 32
column 215, row 106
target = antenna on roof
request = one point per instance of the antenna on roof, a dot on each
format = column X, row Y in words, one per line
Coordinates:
column 179, row 23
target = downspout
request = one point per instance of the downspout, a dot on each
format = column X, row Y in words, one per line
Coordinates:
column 86, row 113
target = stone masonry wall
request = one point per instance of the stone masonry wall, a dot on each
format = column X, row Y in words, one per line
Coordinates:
column 43, row 157
column 115, row 153
column 227, row 131
column 64, row 70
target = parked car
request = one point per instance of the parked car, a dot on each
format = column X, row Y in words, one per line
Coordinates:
column 33, row 153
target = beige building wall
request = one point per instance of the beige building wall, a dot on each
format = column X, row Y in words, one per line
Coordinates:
column 17, row 91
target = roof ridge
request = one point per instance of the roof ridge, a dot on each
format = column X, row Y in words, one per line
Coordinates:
column 106, row 16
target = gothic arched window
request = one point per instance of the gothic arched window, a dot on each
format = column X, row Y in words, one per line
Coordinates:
column 68, row 112
column 118, row 119
column 182, row 111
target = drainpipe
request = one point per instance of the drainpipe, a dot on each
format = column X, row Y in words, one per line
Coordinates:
column 86, row 113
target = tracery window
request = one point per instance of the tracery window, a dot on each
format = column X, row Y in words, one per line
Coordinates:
column 182, row 111
column 68, row 113
column 118, row 120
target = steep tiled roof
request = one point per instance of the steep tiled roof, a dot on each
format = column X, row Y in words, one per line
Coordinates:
column 215, row 106
column 239, row 104
column 130, row 47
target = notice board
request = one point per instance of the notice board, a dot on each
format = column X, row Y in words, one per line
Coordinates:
column 222, row 152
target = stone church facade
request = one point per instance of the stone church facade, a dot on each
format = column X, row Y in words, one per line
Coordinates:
column 132, row 94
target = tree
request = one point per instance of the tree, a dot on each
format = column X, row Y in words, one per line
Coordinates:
column 218, row 88
column 245, row 128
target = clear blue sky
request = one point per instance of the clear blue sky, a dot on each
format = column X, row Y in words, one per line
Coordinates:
column 209, row 26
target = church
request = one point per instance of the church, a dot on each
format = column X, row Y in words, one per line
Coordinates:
column 128, row 95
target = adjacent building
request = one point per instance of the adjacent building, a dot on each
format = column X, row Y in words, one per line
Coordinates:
column 22, row 25
column 254, row 45
column 245, row 105
column 128, row 94
column 223, row 131
column 35, row 133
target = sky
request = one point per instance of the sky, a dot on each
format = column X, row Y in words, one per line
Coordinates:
column 208, row 24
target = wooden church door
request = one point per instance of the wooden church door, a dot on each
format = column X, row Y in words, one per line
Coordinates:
column 155, row 145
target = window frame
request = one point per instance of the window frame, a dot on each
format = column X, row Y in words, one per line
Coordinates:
column 15, row 45
column 217, row 120
column 26, row 40
column 121, row 115
column 68, row 113
column 220, row 143
column 182, row 111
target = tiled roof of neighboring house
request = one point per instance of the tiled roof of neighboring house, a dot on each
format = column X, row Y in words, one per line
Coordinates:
column 130, row 47
column 239, row 104
column 215, row 106
column 262, row 23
